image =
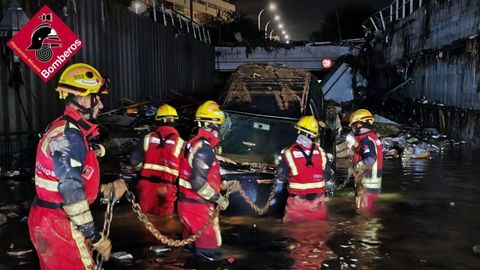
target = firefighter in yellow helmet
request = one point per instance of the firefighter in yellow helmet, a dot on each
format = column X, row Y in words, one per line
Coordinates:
column 367, row 160
column 305, row 166
column 158, row 157
column 67, row 177
column 200, row 183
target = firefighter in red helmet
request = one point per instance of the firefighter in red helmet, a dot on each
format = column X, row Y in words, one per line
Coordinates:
column 67, row 177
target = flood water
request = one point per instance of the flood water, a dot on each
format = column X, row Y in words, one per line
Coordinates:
column 427, row 217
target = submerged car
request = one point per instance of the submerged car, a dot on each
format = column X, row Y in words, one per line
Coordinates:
column 263, row 102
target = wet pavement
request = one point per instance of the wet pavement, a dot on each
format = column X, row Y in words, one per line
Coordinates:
column 426, row 218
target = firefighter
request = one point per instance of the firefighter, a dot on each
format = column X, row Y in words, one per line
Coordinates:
column 306, row 168
column 200, row 183
column 367, row 160
column 158, row 157
column 67, row 177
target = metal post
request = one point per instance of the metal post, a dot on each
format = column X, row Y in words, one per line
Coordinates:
column 208, row 34
column 403, row 9
column 419, row 3
column 163, row 14
column 204, row 35
column 411, row 6
column 171, row 16
column 154, row 11
column 260, row 14
column 383, row 21
column 396, row 10
column 200, row 37
column 266, row 26
column 391, row 13
column 188, row 27
column 180, row 21
column 194, row 34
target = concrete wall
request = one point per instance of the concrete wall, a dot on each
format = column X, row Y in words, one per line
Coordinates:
column 438, row 46
column 306, row 57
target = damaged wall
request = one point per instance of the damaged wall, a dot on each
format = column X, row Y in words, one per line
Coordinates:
column 143, row 60
column 438, row 47
column 437, row 51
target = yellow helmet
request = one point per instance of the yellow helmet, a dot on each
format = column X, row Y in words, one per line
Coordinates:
column 209, row 112
column 361, row 116
column 166, row 113
column 81, row 80
column 308, row 124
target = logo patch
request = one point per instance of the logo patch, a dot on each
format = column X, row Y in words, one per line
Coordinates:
column 87, row 172
column 45, row 43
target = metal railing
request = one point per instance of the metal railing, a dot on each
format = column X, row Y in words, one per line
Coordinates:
column 398, row 10
column 178, row 21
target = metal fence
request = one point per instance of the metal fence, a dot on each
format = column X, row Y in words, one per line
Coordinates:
column 398, row 10
column 143, row 59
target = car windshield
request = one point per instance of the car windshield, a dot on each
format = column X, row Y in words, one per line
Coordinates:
column 257, row 139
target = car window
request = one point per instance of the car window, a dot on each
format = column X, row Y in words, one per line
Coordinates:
column 257, row 139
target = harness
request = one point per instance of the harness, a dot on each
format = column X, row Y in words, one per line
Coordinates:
column 308, row 157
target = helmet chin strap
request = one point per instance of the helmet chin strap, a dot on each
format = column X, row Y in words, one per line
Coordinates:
column 83, row 110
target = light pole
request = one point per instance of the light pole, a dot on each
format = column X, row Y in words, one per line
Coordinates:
column 271, row 32
column 272, row 7
column 266, row 26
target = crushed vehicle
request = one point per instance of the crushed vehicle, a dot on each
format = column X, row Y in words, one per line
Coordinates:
column 263, row 102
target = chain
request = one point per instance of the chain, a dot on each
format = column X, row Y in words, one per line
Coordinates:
column 165, row 239
column 256, row 208
column 107, row 222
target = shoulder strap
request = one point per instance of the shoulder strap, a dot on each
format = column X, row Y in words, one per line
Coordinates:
column 308, row 157
column 163, row 140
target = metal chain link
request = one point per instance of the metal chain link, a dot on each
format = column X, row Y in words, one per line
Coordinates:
column 107, row 222
column 165, row 239
column 256, row 208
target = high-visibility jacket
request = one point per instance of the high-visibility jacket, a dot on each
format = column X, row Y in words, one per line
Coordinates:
column 163, row 149
column 369, row 145
column 46, row 182
column 306, row 167
column 213, row 177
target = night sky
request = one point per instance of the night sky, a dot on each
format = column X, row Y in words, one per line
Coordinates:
column 301, row 17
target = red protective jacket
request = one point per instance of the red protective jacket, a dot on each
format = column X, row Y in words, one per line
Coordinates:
column 157, row 189
column 369, row 148
column 66, row 173
column 306, row 167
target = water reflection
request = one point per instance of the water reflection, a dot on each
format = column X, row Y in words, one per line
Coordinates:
column 309, row 248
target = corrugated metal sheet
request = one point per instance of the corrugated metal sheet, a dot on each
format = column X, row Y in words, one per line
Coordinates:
column 143, row 60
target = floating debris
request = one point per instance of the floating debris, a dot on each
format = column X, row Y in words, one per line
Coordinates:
column 123, row 257
column 158, row 250
column 3, row 219
column 19, row 253
column 476, row 249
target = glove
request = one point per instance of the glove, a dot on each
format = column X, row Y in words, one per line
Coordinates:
column 222, row 202
column 119, row 188
column 104, row 247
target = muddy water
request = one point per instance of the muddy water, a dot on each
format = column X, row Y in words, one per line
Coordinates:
column 427, row 217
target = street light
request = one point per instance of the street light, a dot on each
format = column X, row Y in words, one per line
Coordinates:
column 272, row 7
column 280, row 26
column 283, row 32
column 286, row 36
column 277, row 18
column 271, row 32
column 266, row 26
